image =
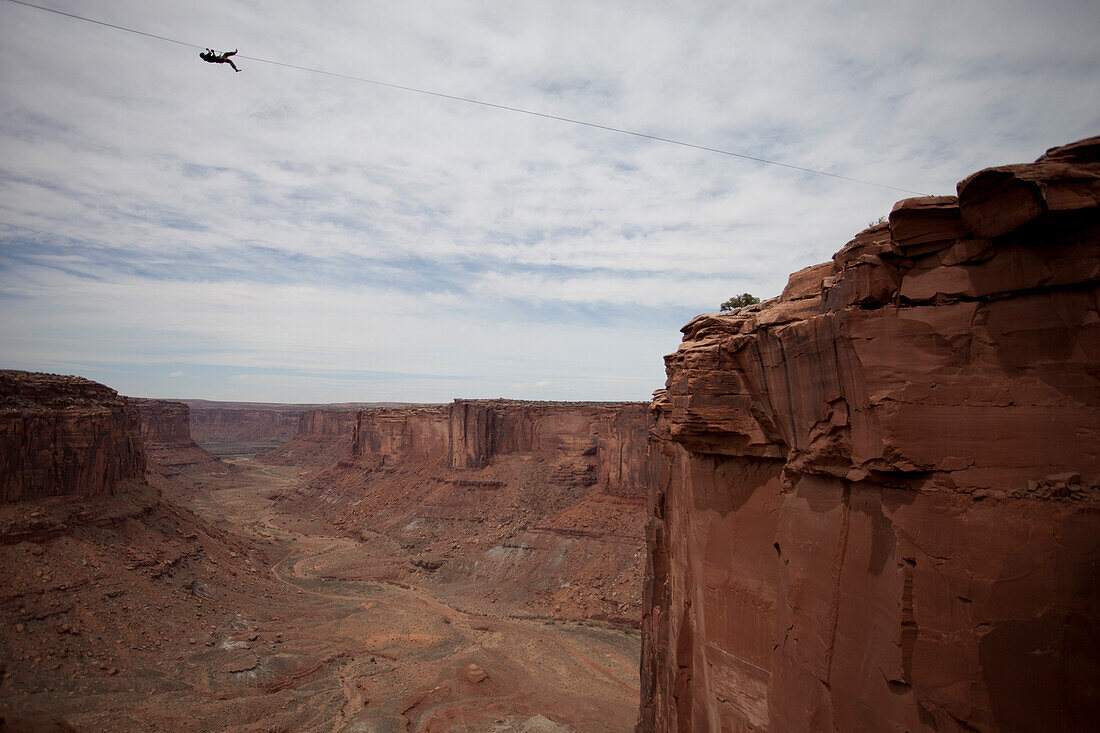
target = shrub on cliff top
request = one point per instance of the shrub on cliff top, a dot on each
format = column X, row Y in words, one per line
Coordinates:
column 740, row 301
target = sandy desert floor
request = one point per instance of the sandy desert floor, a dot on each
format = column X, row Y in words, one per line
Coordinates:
column 271, row 622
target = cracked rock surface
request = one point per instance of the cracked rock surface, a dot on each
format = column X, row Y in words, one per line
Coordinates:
column 875, row 497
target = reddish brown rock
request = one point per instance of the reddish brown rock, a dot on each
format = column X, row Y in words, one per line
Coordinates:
column 473, row 674
column 538, row 505
column 163, row 422
column 996, row 201
column 925, row 224
column 876, row 499
column 246, row 429
column 214, row 422
column 323, row 436
column 613, row 435
column 166, row 433
column 401, row 436
column 65, row 436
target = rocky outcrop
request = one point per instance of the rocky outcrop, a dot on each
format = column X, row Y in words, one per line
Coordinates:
column 323, row 436
column 163, row 422
column 613, row 436
column 213, row 422
column 877, row 504
column 67, row 436
column 401, row 437
column 537, row 505
column 166, row 433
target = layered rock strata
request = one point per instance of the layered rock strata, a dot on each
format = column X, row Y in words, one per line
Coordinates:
column 401, row 437
column 614, row 437
column 213, row 422
column 166, row 434
column 610, row 439
column 876, row 498
column 323, row 436
column 537, row 505
column 67, row 436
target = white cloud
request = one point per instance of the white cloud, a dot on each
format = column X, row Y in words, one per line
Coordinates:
column 158, row 210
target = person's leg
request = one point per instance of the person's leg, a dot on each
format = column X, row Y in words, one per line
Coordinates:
column 230, row 62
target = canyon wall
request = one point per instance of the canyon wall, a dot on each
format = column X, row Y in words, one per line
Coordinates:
column 65, row 436
column 537, row 505
column 400, row 437
column 876, row 499
column 214, row 422
column 166, row 434
column 163, row 422
column 603, row 443
column 323, row 436
column 612, row 437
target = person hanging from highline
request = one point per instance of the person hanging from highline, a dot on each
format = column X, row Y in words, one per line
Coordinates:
column 211, row 56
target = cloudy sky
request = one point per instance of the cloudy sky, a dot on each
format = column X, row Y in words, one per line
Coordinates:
column 174, row 229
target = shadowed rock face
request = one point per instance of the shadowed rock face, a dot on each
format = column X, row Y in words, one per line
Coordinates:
column 166, row 433
column 323, row 436
column 609, row 438
column 65, row 436
column 876, row 498
column 214, row 424
column 164, row 422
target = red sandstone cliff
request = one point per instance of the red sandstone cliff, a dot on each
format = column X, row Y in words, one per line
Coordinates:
column 538, row 505
column 877, row 499
column 104, row 584
column 323, row 436
column 65, row 436
column 608, row 441
column 401, row 437
column 214, row 422
column 166, row 433
column 163, row 422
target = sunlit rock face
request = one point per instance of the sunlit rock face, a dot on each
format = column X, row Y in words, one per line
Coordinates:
column 65, row 436
column 878, row 506
column 532, row 508
column 607, row 440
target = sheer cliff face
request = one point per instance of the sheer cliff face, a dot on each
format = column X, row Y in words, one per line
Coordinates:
column 539, row 506
column 216, row 424
column 401, row 436
column 163, row 422
column 613, row 436
column 323, row 437
column 65, row 436
column 878, row 503
column 166, row 434
column 484, row 428
column 604, row 443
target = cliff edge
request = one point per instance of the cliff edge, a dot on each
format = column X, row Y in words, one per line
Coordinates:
column 876, row 499
column 65, row 436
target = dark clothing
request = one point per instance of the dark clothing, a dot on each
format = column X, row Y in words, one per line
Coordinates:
column 212, row 57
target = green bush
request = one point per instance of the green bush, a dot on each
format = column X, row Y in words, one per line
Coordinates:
column 740, row 301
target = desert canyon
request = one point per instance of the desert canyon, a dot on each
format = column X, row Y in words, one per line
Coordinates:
column 871, row 503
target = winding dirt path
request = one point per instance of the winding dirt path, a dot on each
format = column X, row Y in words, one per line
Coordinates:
column 423, row 640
